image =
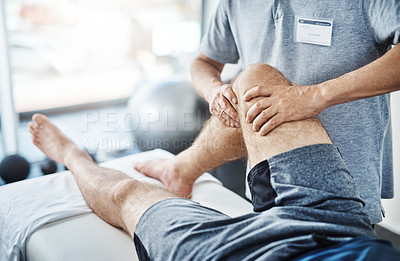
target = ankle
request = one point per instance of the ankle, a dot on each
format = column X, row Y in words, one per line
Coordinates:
column 74, row 155
column 184, row 172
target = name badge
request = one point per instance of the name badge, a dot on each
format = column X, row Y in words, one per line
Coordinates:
column 313, row 31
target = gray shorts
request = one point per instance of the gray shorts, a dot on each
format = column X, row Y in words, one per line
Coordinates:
column 304, row 198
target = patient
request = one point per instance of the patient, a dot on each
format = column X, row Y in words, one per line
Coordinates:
column 303, row 195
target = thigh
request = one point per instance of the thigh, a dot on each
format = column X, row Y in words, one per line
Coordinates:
column 180, row 229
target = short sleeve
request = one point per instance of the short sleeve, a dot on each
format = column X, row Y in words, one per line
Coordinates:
column 218, row 43
column 383, row 18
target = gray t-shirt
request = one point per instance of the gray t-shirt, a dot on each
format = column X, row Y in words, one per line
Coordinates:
column 362, row 31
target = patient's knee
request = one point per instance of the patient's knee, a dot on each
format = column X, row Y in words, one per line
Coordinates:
column 257, row 74
column 264, row 70
column 260, row 67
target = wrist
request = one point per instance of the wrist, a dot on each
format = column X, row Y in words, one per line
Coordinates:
column 212, row 88
column 322, row 96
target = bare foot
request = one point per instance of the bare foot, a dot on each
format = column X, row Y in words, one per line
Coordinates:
column 49, row 139
column 168, row 173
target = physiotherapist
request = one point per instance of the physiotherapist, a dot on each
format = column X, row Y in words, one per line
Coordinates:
column 339, row 55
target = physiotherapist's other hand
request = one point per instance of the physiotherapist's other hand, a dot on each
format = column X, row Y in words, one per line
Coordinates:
column 280, row 104
column 165, row 171
column 221, row 100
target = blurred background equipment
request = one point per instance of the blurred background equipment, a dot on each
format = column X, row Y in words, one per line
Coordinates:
column 14, row 168
column 167, row 115
column 48, row 166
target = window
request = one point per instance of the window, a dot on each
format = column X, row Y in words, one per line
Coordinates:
column 65, row 53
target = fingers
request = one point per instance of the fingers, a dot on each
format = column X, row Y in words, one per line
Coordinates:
column 271, row 124
column 228, row 121
column 225, row 112
column 229, row 94
column 259, row 90
column 256, row 109
column 263, row 118
column 228, row 109
column 228, row 114
column 221, row 106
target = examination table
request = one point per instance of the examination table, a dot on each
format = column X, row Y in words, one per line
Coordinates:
column 85, row 237
column 46, row 219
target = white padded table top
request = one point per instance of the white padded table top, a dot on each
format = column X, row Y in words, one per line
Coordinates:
column 86, row 237
column 82, row 237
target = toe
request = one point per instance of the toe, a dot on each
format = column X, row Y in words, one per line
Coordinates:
column 36, row 142
column 32, row 130
column 138, row 166
column 32, row 126
column 40, row 118
column 34, row 136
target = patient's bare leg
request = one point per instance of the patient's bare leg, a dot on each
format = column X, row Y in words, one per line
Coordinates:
column 112, row 195
column 218, row 144
column 121, row 201
column 286, row 137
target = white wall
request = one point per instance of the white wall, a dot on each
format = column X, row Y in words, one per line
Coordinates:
column 392, row 206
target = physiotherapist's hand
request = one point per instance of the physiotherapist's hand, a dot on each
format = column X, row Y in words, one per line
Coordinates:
column 221, row 100
column 280, row 104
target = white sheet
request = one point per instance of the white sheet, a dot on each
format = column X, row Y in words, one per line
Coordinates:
column 29, row 204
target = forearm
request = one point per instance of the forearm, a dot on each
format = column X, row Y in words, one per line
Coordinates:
column 205, row 74
column 216, row 145
column 379, row 77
